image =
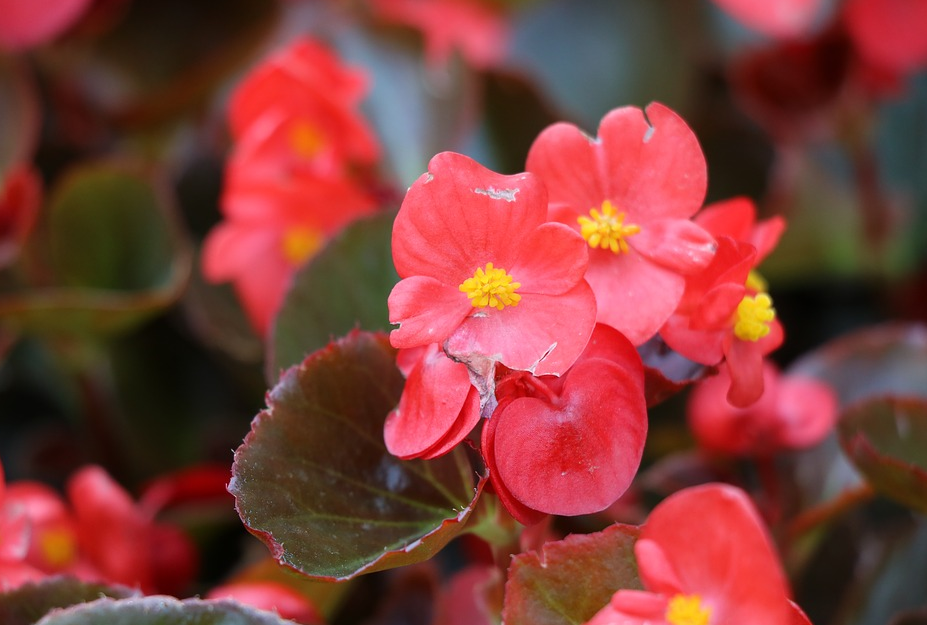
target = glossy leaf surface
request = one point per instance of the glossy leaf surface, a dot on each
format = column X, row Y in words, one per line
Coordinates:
column 314, row 481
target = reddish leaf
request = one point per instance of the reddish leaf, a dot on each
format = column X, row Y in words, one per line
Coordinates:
column 886, row 438
column 315, row 482
column 542, row 588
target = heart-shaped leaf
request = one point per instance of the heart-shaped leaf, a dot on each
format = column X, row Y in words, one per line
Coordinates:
column 109, row 255
column 542, row 586
column 886, row 438
column 314, row 481
column 28, row 603
column 345, row 287
column 160, row 610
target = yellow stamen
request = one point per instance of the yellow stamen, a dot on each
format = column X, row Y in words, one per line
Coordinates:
column 306, row 140
column 58, row 547
column 687, row 610
column 491, row 287
column 606, row 229
column 756, row 282
column 299, row 244
column 753, row 317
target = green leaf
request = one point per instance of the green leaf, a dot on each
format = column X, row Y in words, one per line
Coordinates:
column 886, row 438
column 110, row 255
column 161, row 610
column 570, row 580
column 28, row 603
column 344, row 287
column 315, row 482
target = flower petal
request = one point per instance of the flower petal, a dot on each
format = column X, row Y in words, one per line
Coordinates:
column 676, row 244
column 426, row 310
column 554, row 263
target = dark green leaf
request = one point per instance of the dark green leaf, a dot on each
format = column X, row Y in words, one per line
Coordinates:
column 110, row 255
column 345, row 287
column 886, row 438
column 314, row 481
column 568, row 581
column 28, row 603
column 162, row 611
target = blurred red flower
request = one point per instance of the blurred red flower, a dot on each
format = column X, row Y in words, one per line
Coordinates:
column 630, row 194
column 20, row 201
column 475, row 28
column 484, row 274
column 777, row 18
column 792, row 413
column 272, row 597
column 705, row 558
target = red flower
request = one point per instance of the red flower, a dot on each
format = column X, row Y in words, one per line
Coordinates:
column 890, row 34
column 271, row 596
column 725, row 311
column 20, row 200
column 776, row 18
column 569, row 445
column 27, row 24
column 705, row 558
column 475, row 28
column 438, row 406
column 303, row 102
column 630, row 193
column 792, row 413
column 273, row 225
column 484, row 275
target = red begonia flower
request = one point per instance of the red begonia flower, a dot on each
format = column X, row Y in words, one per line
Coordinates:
column 437, row 409
column 27, row 24
column 484, row 274
column 725, row 310
column 569, row 445
column 889, row 33
column 475, row 28
column 706, row 558
column 776, row 18
column 53, row 546
column 273, row 225
column 792, row 413
column 312, row 98
column 270, row 596
column 630, row 193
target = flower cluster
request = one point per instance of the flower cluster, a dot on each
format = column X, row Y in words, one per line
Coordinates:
column 522, row 299
column 295, row 176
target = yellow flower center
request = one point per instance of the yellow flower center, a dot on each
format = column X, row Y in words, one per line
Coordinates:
column 58, row 547
column 606, row 229
column 306, row 140
column 491, row 287
column 687, row 610
column 753, row 317
column 299, row 244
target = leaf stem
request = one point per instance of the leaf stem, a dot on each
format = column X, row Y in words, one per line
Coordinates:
column 829, row 510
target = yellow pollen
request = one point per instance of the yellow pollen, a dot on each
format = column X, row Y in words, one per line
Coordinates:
column 756, row 282
column 491, row 287
column 687, row 610
column 299, row 244
column 306, row 140
column 753, row 317
column 58, row 547
column 606, row 229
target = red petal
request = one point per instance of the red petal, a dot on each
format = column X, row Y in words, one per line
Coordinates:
column 676, row 244
column 776, row 18
column 554, row 263
column 426, row 310
column 889, row 33
column 460, row 216
column 580, row 455
column 719, row 547
column 27, row 24
column 544, row 334
column 430, row 407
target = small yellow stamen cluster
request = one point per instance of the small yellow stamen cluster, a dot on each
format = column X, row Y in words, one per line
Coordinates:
column 491, row 287
column 687, row 610
column 753, row 317
column 606, row 229
column 58, row 547
column 306, row 140
column 299, row 244
column 756, row 282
